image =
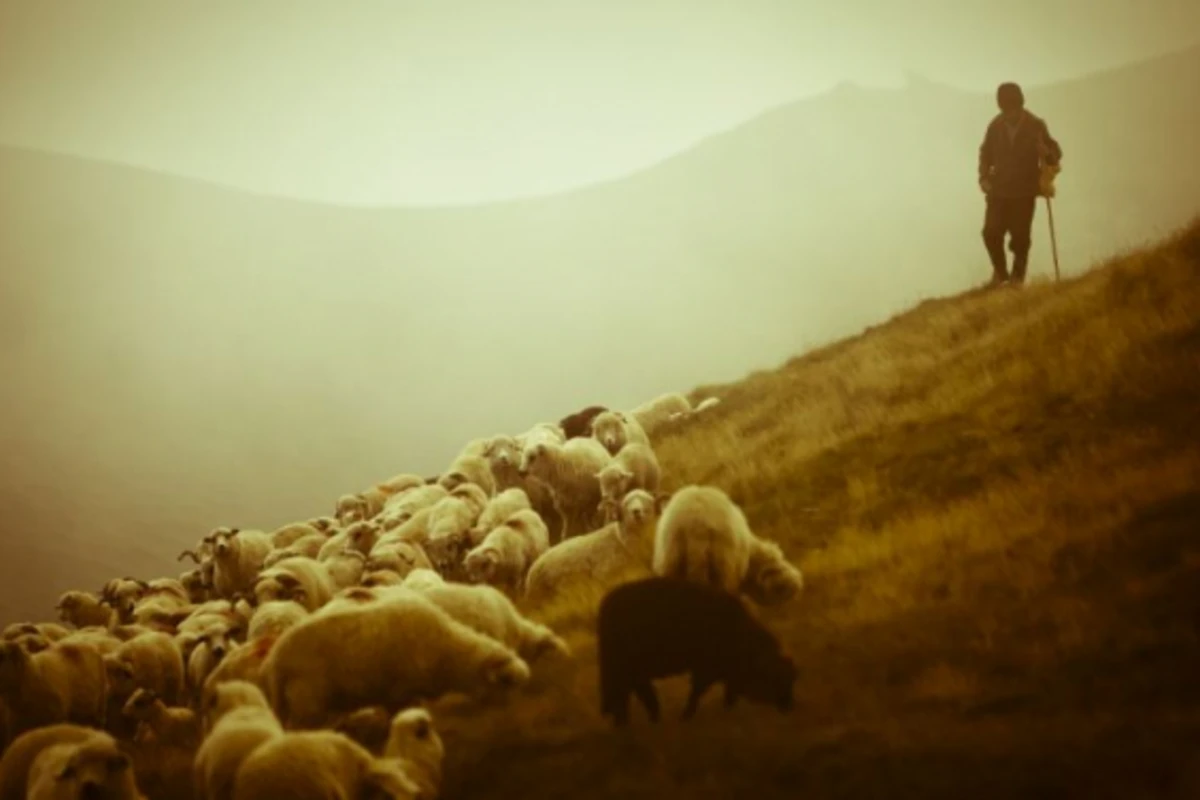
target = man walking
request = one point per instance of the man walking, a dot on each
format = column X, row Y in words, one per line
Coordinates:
column 1016, row 148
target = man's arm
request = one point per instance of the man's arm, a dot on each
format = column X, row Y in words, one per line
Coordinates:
column 1051, row 151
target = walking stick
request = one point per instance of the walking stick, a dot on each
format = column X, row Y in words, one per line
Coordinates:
column 1053, row 238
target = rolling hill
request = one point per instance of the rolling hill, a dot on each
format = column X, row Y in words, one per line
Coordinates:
column 994, row 499
column 180, row 355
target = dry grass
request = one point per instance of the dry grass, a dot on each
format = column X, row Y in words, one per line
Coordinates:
column 995, row 500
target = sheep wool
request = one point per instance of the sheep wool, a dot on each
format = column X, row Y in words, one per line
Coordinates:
column 395, row 650
column 704, row 537
column 316, row 765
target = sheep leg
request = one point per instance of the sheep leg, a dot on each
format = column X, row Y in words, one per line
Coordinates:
column 731, row 695
column 645, row 692
column 700, row 684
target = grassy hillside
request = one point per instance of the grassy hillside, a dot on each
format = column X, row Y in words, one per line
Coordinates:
column 181, row 355
column 995, row 500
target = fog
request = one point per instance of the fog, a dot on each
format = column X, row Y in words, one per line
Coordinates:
column 180, row 354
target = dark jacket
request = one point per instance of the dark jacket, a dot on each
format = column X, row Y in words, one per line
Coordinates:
column 1014, row 166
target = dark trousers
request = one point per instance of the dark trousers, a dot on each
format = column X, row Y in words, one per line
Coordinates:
column 1012, row 216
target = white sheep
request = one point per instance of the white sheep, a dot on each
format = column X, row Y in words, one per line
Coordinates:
column 398, row 484
column 359, row 535
column 359, row 507
column 392, row 651
column 303, row 580
column 149, row 661
column 569, row 471
column 653, row 414
column 414, row 742
column 770, row 578
column 237, row 720
column 498, row 509
column 345, row 568
column 411, row 505
column 615, row 429
column 469, row 468
column 24, row 750
column 287, row 535
column 171, row 726
column 634, row 467
column 399, row 557
column 504, row 455
column 316, row 765
column 84, row 609
column 703, row 536
column 505, row 555
column 487, row 610
column 542, row 432
column 600, row 557
column 66, row 682
column 274, row 617
column 237, row 557
column 306, row 547
column 456, row 513
column 122, row 594
column 94, row 767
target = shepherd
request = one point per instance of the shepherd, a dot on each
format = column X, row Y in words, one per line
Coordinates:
column 1017, row 162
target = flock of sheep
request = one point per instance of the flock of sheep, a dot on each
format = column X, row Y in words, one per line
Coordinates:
column 297, row 662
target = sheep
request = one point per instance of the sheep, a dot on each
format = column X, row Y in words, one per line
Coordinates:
column 305, row 547
column 361, row 535
column 172, row 726
column 274, row 617
column 237, row 721
column 382, row 577
column 84, row 609
column 289, row 534
column 659, row 627
column 397, row 556
column 487, row 610
column 24, row 750
column 162, row 601
column 370, row 726
column 360, row 507
column 615, row 429
column 122, row 594
column 149, row 661
column 498, row 509
column 346, row 568
column 317, row 765
column 413, row 740
column 411, row 507
column 652, row 414
column 50, row 631
column 196, row 585
column 617, row 550
column 214, row 643
column 770, row 578
column 702, row 535
column 101, row 640
column 569, row 470
column 505, row 555
column 580, row 423
column 398, row 484
column 301, row 579
column 394, row 650
column 504, row 455
column 469, row 468
column 242, row 663
column 634, row 467
column 450, row 523
column 415, row 529
column 93, row 767
column 63, row 683
column 237, row 557
column 541, row 432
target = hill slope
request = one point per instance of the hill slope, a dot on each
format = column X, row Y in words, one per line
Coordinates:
column 180, row 355
column 994, row 499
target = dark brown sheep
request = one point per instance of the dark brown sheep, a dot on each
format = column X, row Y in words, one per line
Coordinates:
column 659, row 627
column 580, row 423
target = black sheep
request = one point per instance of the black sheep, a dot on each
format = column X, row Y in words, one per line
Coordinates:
column 579, row 424
column 659, row 627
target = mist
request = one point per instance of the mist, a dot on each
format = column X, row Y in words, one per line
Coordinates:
column 201, row 324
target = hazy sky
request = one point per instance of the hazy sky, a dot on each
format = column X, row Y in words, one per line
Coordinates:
column 451, row 101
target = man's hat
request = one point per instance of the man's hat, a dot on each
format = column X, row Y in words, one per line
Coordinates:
column 1009, row 96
